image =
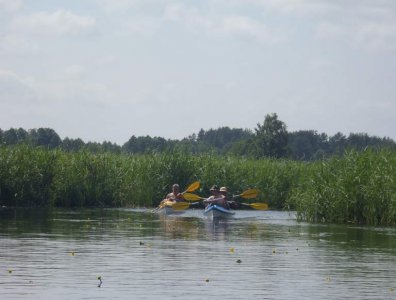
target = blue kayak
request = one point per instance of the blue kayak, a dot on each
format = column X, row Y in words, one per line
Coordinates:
column 217, row 211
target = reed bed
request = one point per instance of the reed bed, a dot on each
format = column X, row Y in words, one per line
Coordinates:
column 358, row 187
column 31, row 176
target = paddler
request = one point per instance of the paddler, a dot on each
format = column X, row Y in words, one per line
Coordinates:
column 175, row 195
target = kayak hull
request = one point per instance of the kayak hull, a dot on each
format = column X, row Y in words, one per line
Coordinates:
column 168, row 209
column 218, row 212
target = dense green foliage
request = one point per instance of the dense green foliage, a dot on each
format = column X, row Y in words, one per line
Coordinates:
column 269, row 139
column 359, row 188
column 31, row 176
column 325, row 178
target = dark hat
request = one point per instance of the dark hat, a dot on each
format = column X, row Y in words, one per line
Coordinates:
column 214, row 188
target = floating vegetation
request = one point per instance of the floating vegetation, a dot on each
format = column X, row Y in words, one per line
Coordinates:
column 100, row 281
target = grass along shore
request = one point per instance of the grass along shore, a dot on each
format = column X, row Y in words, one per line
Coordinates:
column 359, row 187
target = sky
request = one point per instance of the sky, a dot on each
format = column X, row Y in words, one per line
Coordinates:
column 104, row 70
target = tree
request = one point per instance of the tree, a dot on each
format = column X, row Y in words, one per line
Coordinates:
column 15, row 136
column 337, row 143
column 307, row 144
column 72, row 144
column 223, row 138
column 46, row 137
column 271, row 138
column 144, row 144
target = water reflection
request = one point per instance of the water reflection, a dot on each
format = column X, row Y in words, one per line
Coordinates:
column 60, row 254
column 191, row 227
column 175, row 226
column 219, row 230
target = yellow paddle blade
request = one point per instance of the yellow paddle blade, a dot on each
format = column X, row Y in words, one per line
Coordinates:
column 192, row 187
column 250, row 194
column 164, row 202
column 180, row 205
column 191, row 197
column 259, row 206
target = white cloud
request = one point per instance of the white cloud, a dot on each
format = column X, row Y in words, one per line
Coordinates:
column 119, row 5
column 189, row 16
column 305, row 7
column 377, row 36
column 367, row 27
column 244, row 26
column 155, row 56
column 320, row 63
column 219, row 23
column 142, row 25
column 14, row 90
column 10, row 5
column 364, row 34
column 18, row 45
column 74, row 71
column 60, row 22
column 326, row 30
column 288, row 7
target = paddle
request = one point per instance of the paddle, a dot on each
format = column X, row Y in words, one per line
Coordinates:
column 192, row 197
column 259, row 206
column 248, row 194
column 192, row 187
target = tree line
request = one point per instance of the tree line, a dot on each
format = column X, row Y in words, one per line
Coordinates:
column 268, row 139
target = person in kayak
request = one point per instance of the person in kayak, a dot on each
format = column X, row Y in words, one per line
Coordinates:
column 219, row 197
column 214, row 190
column 175, row 195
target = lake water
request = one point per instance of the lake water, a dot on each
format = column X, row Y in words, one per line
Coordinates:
column 60, row 254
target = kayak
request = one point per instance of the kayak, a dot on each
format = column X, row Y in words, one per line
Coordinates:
column 218, row 212
column 168, row 210
column 172, row 208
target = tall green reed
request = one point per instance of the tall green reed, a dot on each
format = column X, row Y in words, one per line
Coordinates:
column 87, row 179
column 26, row 175
column 356, row 188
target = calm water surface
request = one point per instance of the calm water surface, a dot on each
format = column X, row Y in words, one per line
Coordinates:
column 60, row 254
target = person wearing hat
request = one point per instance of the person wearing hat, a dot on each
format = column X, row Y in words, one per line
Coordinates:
column 219, row 197
column 214, row 190
column 175, row 195
column 229, row 203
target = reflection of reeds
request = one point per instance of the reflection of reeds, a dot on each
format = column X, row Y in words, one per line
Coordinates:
column 357, row 188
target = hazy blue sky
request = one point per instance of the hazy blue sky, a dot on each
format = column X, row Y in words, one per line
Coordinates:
column 107, row 70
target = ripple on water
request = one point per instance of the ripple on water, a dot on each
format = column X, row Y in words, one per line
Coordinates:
column 257, row 255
